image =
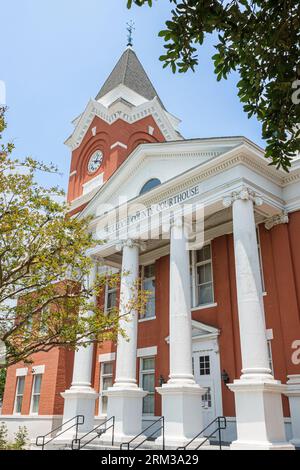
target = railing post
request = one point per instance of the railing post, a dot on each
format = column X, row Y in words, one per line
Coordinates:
column 163, row 431
column 220, row 436
column 113, row 431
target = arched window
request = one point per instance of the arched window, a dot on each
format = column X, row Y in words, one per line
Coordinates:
column 151, row 184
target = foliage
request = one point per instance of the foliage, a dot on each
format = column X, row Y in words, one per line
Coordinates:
column 3, row 436
column 21, row 439
column 45, row 301
column 258, row 38
column 2, row 382
column 20, row 442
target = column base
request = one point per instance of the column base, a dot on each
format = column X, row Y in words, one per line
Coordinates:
column 293, row 393
column 240, row 445
column 126, row 405
column 79, row 401
column 295, row 443
column 182, row 410
column 259, row 415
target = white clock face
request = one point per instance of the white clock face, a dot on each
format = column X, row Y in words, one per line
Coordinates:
column 95, row 161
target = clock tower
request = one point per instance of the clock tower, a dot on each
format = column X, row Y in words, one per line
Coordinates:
column 126, row 113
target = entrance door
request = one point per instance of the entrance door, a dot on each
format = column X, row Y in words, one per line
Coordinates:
column 206, row 367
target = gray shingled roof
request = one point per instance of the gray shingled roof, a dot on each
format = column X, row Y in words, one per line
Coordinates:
column 129, row 72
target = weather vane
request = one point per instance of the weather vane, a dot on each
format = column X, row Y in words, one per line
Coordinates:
column 130, row 29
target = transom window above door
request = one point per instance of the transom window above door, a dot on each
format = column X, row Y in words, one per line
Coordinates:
column 202, row 277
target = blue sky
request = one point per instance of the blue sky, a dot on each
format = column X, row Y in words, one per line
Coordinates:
column 56, row 54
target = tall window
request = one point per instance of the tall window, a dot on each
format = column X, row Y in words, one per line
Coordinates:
column 19, row 394
column 202, row 277
column 148, row 274
column 270, row 355
column 106, row 381
column 36, row 393
column 260, row 262
column 111, row 293
column 147, row 381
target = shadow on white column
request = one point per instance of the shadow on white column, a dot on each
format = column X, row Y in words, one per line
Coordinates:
column 181, row 396
column 125, row 398
column 258, row 397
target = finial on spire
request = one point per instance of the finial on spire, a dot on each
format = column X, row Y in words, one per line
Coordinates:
column 130, row 29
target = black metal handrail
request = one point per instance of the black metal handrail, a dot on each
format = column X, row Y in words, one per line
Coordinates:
column 161, row 428
column 79, row 421
column 222, row 424
column 76, row 443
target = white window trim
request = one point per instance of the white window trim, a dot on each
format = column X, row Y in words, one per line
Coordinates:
column 23, row 376
column 33, row 394
column 108, row 357
column 147, row 352
column 103, row 376
column 142, row 320
column 38, row 370
column 194, row 279
column 203, row 307
column 21, row 372
column 150, row 371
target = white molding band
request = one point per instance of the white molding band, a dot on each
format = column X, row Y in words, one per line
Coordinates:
column 38, row 370
column 118, row 144
column 108, row 357
column 147, row 352
column 22, row 372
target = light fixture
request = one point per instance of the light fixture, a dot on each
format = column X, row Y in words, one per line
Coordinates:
column 225, row 377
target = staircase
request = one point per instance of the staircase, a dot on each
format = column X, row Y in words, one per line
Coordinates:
column 211, row 438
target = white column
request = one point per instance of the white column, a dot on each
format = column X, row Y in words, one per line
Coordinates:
column 126, row 351
column 125, row 398
column 80, row 398
column 181, row 396
column 293, row 392
column 259, row 414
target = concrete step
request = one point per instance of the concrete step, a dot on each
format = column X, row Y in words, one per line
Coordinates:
column 150, row 446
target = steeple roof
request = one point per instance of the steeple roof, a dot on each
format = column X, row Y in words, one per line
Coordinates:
column 129, row 72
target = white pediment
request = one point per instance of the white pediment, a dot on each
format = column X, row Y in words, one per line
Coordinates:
column 201, row 331
column 165, row 161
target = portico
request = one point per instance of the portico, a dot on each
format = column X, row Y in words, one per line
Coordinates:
column 256, row 391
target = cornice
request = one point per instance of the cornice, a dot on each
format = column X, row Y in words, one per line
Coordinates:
column 194, row 176
column 243, row 153
column 132, row 115
column 292, row 178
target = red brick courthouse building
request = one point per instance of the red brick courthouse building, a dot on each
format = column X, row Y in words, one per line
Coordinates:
column 221, row 333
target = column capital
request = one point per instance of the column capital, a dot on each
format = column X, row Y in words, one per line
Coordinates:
column 245, row 194
column 130, row 243
column 277, row 219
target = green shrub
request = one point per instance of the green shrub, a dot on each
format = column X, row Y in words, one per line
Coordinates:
column 20, row 442
column 3, row 436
